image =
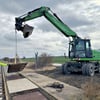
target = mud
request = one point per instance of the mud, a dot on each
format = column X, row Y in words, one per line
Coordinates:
column 74, row 79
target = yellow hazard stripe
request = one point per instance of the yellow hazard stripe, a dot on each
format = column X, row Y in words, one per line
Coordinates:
column 3, row 64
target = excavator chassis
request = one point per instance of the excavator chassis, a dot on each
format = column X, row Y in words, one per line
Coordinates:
column 87, row 68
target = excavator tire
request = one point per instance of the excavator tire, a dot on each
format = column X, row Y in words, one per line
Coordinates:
column 84, row 68
column 90, row 69
column 99, row 69
column 65, row 69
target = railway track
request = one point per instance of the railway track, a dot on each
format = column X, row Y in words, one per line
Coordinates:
column 20, row 88
column 31, row 86
column 1, row 94
column 16, row 87
column 4, row 88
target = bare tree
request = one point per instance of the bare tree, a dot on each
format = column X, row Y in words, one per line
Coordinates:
column 44, row 60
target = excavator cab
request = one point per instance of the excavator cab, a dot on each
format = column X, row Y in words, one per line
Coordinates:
column 80, row 48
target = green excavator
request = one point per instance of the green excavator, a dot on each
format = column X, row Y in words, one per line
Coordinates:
column 82, row 57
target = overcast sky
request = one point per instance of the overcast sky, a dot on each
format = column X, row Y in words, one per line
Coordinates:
column 82, row 16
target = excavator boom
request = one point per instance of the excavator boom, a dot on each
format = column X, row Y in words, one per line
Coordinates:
column 49, row 15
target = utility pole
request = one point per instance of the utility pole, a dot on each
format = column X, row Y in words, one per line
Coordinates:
column 16, row 55
column 36, row 59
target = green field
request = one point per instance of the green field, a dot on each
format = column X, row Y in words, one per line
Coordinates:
column 55, row 59
column 28, row 59
column 59, row 59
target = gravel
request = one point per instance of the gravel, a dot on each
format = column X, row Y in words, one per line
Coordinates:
column 74, row 79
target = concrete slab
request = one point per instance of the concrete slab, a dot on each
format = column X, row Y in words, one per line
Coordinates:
column 67, row 93
column 30, row 95
column 56, row 64
column 19, row 85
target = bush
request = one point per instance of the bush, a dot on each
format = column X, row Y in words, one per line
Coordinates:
column 91, row 90
column 5, row 59
column 44, row 60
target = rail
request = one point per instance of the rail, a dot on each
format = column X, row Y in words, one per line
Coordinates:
column 6, row 95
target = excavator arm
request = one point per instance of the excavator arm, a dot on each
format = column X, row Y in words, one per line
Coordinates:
column 49, row 15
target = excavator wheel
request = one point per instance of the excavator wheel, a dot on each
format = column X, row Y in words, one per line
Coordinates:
column 99, row 69
column 65, row 69
column 84, row 68
column 90, row 69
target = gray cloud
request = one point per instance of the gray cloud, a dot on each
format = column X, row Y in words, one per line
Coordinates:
column 83, row 16
column 19, row 6
column 12, row 37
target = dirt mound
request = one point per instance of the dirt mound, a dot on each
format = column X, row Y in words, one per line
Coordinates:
column 30, row 65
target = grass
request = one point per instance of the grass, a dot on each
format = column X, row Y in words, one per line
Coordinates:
column 59, row 59
column 28, row 59
column 55, row 59
column 91, row 90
